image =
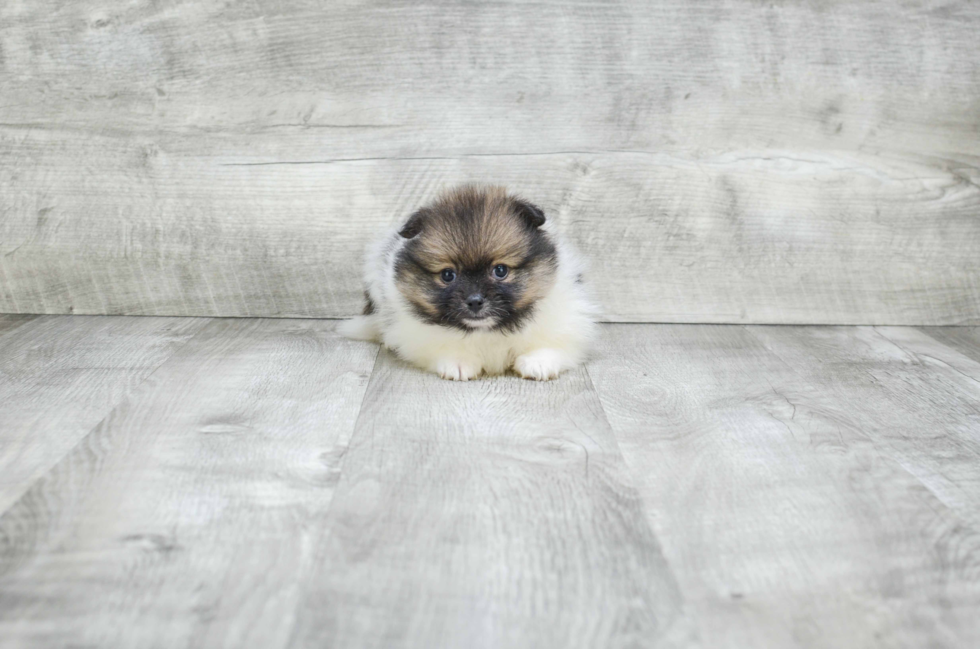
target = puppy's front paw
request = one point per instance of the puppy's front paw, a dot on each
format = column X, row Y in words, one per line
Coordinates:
column 541, row 364
column 456, row 370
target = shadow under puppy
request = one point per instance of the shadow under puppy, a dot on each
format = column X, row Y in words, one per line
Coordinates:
column 477, row 283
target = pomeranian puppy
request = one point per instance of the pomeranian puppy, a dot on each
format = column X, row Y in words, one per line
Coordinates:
column 477, row 283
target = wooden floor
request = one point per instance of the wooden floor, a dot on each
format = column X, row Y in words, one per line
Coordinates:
column 178, row 482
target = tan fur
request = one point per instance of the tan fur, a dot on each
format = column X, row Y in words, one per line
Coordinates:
column 496, row 235
column 537, row 285
column 414, row 291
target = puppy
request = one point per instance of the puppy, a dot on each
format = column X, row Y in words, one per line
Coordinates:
column 476, row 283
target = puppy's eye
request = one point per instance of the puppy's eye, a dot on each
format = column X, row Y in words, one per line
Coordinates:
column 500, row 271
column 448, row 275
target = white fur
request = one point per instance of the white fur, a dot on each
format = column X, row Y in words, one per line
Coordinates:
column 555, row 338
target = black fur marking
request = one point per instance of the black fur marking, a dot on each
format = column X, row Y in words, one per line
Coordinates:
column 368, row 304
column 531, row 214
column 449, row 300
column 413, row 226
column 514, row 319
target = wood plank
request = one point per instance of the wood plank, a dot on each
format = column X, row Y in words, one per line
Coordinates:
column 786, row 518
column 965, row 340
column 189, row 515
column 11, row 322
column 721, row 161
column 492, row 513
column 932, row 351
column 914, row 398
column 757, row 236
column 449, row 78
column 59, row 376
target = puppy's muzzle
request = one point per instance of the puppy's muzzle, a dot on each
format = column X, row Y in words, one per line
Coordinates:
column 475, row 302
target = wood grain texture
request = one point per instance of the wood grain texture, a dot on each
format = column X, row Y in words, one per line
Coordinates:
column 965, row 340
column 711, row 486
column 59, row 376
column 782, row 506
column 916, row 399
column 381, row 79
column 492, row 513
column 188, row 516
column 11, row 322
column 720, row 161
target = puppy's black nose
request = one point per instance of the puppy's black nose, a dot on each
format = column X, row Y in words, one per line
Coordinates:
column 475, row 302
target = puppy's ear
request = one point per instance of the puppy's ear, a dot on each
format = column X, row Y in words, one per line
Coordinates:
column 531, row 214
column 413, row 225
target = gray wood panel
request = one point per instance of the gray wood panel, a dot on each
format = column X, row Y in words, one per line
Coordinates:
column 965, row 340
column 916, row 399
column 671, row 239
column 380, row 79
column 709, row 486
column 189, row 516
column 493, row 513
column 59, row 376
column 783, row 508
column 721, row 162
column 11, row 322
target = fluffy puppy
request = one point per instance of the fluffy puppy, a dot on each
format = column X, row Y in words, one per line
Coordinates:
column 476, row 283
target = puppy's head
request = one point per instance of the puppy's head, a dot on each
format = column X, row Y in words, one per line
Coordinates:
column 476, row 259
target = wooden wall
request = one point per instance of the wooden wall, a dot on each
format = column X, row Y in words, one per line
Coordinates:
column 720, row 161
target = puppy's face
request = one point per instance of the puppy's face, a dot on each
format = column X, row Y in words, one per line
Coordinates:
column 475, row 260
